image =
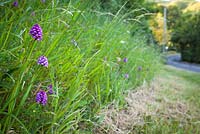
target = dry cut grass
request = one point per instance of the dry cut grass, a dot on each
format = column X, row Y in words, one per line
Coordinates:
column 164, row 98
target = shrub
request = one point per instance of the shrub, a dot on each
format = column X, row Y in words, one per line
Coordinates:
column 187, row 35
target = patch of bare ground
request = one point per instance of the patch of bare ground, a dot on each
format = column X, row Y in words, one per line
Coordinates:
column 147, row 100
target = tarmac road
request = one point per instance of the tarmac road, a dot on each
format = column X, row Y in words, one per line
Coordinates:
column 175, row 60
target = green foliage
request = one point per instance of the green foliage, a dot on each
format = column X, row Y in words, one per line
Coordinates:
column 173, row 14
column 114, row 5
column 153, row 7
column 187, row 35
column 82, row 48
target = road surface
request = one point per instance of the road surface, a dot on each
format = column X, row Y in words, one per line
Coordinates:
column 175, row 60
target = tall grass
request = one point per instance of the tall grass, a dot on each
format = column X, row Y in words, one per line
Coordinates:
column 83, row 50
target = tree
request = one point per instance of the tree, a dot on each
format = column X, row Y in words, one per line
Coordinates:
column 157, row 27
column 173, row 14
column 187, row 34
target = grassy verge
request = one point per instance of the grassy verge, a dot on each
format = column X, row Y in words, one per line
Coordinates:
column 87, row 56
column 169, row 104
column 179, row 97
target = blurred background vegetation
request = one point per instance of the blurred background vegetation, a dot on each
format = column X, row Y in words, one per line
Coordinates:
column 182, row 24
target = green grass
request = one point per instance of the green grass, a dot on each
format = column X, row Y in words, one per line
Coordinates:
column 85, row 77
column 191, row 84
column 167, row 126
column 178, row 87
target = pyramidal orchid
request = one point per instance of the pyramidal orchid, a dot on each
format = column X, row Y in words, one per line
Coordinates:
column 36, row 32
